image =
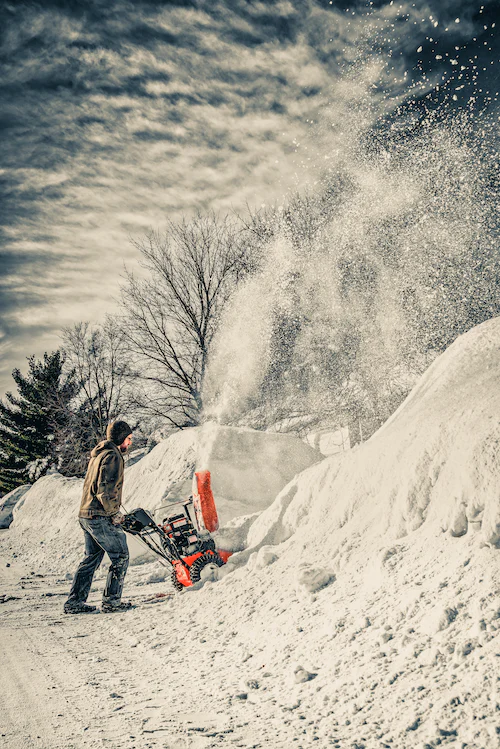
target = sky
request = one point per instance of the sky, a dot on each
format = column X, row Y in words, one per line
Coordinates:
column 117, row 116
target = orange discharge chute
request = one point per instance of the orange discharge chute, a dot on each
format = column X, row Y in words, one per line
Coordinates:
column 204, row 503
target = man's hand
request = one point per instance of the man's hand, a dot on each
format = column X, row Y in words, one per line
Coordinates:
column 118, row 518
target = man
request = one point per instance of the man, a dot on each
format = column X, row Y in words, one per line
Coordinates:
column 100, row 519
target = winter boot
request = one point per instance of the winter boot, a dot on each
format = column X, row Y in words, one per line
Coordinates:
column 78, row 608
column 108, row 608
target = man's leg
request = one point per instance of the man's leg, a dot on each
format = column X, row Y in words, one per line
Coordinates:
column 84, row 575
column 114, row 541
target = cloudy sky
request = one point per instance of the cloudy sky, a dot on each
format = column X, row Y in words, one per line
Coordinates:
column 116, row 115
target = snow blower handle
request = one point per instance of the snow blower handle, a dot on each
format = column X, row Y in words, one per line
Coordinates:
column 140, row 524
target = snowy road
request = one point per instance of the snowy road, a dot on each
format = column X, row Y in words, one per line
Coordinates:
column 66, row 681
column 77, row 682
column 218, row 667
column 47, row 698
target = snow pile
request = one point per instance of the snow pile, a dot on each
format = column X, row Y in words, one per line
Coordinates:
column 248, row 468
column 8, row 502
column 377, row 572
column 436, row 461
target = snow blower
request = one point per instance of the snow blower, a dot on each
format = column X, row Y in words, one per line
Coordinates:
column 182, row 538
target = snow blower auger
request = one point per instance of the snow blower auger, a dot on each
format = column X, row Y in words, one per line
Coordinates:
column 189, row 549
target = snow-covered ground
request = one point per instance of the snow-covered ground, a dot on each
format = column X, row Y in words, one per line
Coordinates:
column 364, row 610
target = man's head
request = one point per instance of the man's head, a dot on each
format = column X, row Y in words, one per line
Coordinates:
column 120, row 433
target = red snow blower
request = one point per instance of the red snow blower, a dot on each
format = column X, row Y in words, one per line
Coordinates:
column 183, row 537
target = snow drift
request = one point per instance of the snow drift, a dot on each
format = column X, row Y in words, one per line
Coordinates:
column 436, row 461
column 369, row 591
column 8, row 502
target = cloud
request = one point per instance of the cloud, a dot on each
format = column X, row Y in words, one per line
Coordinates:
column 116, row 115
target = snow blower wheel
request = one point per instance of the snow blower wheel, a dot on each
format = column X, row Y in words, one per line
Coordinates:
column 177, row 585
column 196, row 569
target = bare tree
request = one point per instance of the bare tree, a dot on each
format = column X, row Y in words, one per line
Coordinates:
column 97, row 355
column 170, row 316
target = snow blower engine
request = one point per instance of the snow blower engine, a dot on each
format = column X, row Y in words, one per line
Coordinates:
column 183, row 537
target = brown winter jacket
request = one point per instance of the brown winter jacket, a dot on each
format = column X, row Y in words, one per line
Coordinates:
column 102, row 488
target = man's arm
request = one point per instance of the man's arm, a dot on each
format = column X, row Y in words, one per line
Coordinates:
column 109, row 474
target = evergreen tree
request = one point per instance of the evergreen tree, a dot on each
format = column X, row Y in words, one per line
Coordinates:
column 31, row 420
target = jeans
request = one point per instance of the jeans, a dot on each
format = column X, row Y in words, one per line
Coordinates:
column 101, row 536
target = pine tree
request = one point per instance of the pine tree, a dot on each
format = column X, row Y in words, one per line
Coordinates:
column 31, row 420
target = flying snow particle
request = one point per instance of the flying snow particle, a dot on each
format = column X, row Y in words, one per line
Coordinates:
column 419, row 49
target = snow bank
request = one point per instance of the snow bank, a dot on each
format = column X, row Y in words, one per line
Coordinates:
column 436, row 461
column 8, row 502
column 248, row 469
